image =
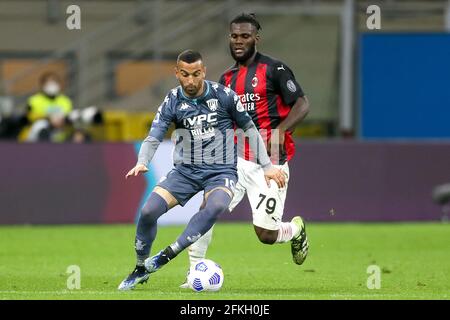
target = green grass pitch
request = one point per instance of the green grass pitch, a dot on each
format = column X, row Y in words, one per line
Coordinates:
column 414, row 260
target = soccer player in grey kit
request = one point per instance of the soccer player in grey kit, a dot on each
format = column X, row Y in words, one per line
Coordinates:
column 205, row 114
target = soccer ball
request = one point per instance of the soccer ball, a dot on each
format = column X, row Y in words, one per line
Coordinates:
column 205, row 275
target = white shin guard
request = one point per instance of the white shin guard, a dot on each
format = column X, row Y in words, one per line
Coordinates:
column 197, row 250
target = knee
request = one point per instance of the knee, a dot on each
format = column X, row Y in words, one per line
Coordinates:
column 213, row 213
column 267, row 236
column 217, row 207
column 221, row 207
column 148, row 214
column 153, row 209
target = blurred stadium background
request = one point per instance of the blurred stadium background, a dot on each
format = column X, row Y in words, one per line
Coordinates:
column 378, row 122
column 373, row 148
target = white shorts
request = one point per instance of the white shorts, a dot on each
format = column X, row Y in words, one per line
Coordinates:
column 267, row 203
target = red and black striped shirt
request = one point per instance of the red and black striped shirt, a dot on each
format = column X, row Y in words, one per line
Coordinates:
column 267, row 89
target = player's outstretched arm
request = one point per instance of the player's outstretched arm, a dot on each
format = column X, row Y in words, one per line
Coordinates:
column 136, row 170
column 150, row 144
column 146, row 153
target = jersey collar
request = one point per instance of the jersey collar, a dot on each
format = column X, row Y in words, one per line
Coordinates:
column 256, row 60
column 195, row 100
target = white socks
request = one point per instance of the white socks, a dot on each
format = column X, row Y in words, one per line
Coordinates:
column 287, row 231
column 197, row 250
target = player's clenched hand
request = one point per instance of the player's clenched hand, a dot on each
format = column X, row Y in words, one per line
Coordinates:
column 136, row 170
column 277, row 175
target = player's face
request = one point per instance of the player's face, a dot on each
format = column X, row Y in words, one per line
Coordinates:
column 243, row 40
column 191, row 77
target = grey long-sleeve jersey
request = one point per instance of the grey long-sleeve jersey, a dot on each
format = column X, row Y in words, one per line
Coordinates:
column 205, row 130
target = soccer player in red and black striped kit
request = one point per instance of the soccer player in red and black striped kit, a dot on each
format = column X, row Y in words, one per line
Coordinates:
column 271, row 95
